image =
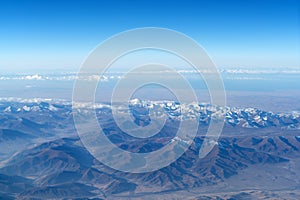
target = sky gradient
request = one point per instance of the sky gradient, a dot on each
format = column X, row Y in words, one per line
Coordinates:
column 60, row 34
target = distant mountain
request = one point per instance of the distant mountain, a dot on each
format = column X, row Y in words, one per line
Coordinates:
column 41, row 155
column 55, row 114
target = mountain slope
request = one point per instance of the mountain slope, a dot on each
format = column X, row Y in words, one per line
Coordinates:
column 65, row 162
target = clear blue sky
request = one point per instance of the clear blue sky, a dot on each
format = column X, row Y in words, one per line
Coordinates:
column 60, row 34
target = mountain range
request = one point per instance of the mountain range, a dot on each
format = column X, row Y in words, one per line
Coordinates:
column 257, row 155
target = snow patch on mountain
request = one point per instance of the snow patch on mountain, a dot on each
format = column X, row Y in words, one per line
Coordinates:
column 203, row 112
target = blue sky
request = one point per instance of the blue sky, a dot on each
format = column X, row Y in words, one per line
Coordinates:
column 60, row 34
